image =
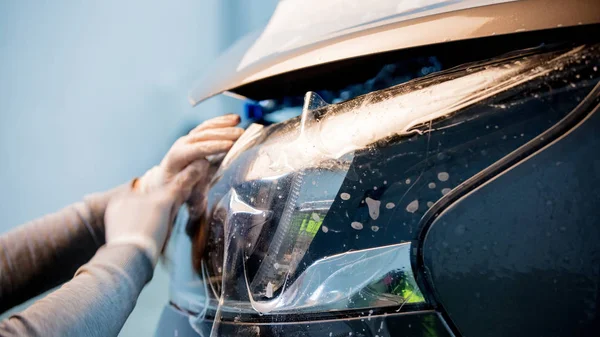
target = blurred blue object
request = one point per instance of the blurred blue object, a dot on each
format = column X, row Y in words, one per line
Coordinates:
column 253, row 111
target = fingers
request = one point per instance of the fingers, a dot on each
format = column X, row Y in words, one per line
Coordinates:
column 213, row 137
column 218, row 122
column 225, row 133
column 184, row 181
column 200, row 150
column 184, row 154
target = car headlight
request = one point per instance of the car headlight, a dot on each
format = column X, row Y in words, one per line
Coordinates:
column 318, row 215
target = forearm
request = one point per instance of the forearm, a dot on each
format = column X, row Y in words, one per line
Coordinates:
column 96, row 302
column 46, row 252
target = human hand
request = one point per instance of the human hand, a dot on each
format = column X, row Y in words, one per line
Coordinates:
column 144, row 219
column 213, row 137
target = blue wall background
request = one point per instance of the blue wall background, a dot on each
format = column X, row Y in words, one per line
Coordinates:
column 92, row 93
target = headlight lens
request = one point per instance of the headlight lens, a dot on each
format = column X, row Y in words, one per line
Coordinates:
column 317, row 214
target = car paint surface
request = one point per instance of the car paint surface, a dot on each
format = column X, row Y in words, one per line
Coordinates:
column 519, row 255
column 257, row 56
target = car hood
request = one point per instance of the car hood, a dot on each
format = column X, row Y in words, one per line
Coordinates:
column 305, row 33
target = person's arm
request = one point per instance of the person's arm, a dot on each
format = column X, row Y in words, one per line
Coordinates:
column 46, row 252
column 96, row 302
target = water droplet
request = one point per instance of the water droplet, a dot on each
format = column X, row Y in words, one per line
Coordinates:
column 373, row 207
column 316, row 217
column 356, row 225
column 374, row 228
column 429, row 204
column 443, row 176
column 431, row 185
column 413, row 206
column 446, row 191
column 390, row 205
column 325, row 229
column 385, row 182
column 595, row 68
column 345, row 196
column 375, row 188
column 407, row 181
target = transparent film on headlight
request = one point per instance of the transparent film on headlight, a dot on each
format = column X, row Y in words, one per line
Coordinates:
column 319, row 214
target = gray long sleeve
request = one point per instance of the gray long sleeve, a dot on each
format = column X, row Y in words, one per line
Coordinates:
column 46, row 252
column 96, row 302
